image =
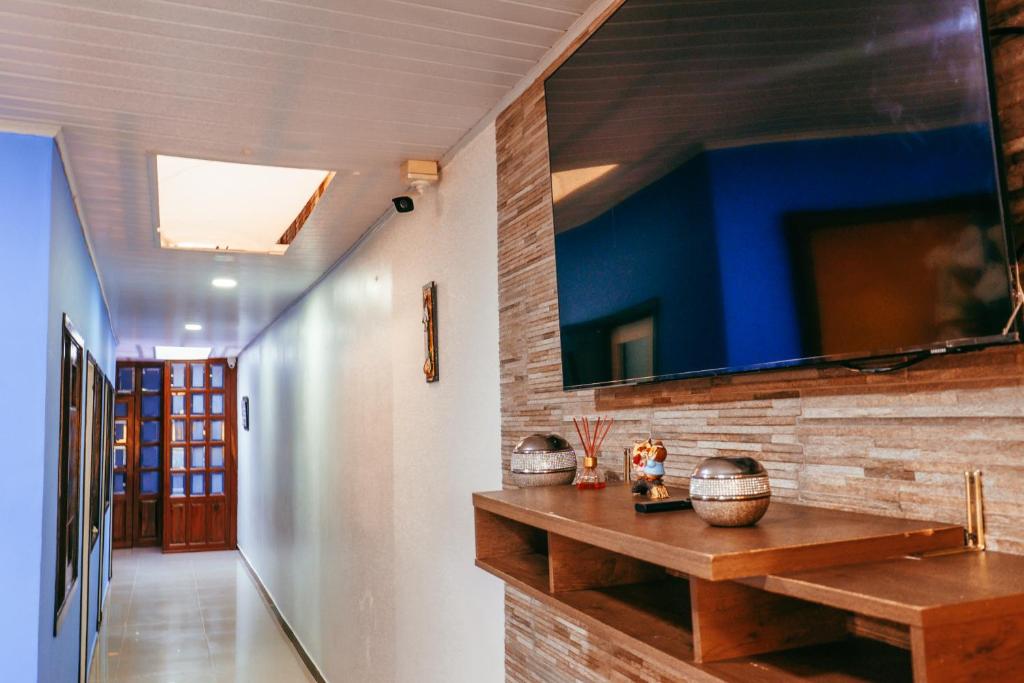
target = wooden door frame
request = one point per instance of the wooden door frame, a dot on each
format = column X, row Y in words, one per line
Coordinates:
column 230, row 418
column 231, row 442
column 137, row 500
column 133, row 475
column 126, row 498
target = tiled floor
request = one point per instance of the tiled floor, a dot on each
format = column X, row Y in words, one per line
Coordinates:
column 195, row 618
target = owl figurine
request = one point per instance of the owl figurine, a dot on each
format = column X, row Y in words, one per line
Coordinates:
column 650, row 457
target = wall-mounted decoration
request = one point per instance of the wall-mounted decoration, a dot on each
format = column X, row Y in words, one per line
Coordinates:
column 245, row 413
column 430, row 370
column 69, row 460
column 95, row 384
column 104, row 506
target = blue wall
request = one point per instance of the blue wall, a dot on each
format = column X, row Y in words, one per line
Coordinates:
column 24, row 262
column 47, row 264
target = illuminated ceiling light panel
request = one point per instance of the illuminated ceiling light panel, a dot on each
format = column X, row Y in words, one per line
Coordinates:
column 565, row 183
column 220, row 206
column 182, row 352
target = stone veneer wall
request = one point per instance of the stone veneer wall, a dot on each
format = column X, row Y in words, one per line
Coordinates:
column 893, row 444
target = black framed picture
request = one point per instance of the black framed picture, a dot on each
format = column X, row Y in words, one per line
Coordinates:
column 68, row 466
column 104, row 506
column 94, row 407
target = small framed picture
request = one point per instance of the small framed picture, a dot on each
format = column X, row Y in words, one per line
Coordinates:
column 430, row 370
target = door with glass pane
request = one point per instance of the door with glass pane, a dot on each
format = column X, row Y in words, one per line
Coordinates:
column 199, row 506
column 124, row 443
column 138, row 456
column 148, row 509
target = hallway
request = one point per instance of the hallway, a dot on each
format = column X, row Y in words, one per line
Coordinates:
column 195, row 617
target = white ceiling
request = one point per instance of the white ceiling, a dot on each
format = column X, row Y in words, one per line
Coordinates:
column 355, row 86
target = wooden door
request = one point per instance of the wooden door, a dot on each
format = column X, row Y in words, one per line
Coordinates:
column 124, row 443
column 138, row 454
column 199, row 476
column 148, row 508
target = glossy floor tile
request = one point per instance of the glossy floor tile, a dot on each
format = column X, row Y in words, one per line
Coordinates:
column 190, row 618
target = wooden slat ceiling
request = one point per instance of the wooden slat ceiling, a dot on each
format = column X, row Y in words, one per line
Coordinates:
column 356, row 86
column 664, row 79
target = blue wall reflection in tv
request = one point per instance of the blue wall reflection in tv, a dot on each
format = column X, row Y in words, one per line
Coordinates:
column 707, row 251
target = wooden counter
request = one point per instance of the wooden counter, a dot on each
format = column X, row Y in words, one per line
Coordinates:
column 789, row 537
column 807, row 593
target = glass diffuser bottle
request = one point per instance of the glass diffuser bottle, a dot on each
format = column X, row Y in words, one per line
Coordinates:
column 591, row 476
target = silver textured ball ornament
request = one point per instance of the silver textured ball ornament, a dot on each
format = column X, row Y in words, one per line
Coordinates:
column 542, row 460
column 730, row 491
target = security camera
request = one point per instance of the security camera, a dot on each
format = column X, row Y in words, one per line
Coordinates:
column 403, row 204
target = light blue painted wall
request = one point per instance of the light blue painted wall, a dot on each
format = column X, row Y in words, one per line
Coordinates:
column 25, row 163
column 74, row 289
column 46, row 267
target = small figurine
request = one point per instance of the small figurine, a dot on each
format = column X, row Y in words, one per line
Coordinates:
column 651, row 456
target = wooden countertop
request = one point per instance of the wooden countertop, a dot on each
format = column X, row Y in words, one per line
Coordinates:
column 790, row 538
column 919, row 592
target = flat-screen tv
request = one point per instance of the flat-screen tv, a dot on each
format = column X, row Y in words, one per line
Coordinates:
column 749, row 184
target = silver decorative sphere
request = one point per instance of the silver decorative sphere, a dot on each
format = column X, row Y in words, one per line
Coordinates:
column 542, row 460
column 730, row 491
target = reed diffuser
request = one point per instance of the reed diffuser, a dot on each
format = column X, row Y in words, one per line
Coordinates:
column 591, row 477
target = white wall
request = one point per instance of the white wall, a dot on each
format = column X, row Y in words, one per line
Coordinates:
column 355, row 478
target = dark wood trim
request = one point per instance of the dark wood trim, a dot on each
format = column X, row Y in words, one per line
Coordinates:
column 304, row 655
column 231, row 416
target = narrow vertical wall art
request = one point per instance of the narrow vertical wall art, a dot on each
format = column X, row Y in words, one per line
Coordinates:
column 430, row 370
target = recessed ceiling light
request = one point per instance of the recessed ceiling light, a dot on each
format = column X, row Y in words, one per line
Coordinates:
column 193, row 327
column 182, row 352
column 224, row 282
column 221, row 206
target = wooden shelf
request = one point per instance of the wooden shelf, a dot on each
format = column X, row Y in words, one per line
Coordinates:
column 683, row 594
column 965, row 612
column 930, row 591
column 789, row 538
